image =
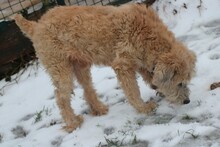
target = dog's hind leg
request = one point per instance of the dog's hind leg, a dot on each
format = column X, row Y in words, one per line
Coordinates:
column 126, row 75
column 83, row 75
column 61, row 72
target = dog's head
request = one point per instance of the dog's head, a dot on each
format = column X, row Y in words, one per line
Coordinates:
column 172, row 74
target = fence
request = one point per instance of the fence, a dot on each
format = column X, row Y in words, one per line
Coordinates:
column 10, row 7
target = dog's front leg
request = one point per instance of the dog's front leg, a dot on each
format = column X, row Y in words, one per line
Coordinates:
column 126, row 75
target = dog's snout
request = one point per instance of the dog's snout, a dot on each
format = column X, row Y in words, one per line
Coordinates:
column 187, row 101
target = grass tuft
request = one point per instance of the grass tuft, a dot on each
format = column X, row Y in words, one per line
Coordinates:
column 39, row 115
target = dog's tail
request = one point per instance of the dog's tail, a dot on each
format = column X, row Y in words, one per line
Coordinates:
column 26, row 26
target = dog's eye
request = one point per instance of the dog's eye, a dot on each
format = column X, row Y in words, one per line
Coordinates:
column 180, row 84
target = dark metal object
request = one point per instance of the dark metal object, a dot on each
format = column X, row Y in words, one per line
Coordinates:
column 61, row 2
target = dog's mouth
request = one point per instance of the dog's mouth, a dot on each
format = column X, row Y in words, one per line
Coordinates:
column 184, row 102
column 178, row 101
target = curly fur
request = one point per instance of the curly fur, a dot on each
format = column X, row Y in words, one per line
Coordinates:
column 130, row 38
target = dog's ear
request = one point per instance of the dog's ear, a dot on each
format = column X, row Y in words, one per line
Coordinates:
column 166, row 69
column 163, row 73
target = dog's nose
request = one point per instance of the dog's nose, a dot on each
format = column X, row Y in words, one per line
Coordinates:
column 187, row 101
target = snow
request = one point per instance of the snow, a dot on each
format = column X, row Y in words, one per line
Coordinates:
column 29, row 116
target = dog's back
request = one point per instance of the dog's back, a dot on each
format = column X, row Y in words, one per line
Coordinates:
column 99, row 29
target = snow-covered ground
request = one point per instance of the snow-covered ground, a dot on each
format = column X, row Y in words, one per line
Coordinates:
column 29, row 116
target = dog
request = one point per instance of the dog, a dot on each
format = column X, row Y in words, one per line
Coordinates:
column 130, row 38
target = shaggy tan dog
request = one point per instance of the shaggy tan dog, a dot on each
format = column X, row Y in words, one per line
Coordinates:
column 130, row 38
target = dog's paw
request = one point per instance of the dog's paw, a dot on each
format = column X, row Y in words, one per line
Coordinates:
column 148, row 107
column 100, row 110
column 75, row 123
column 152, row 105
